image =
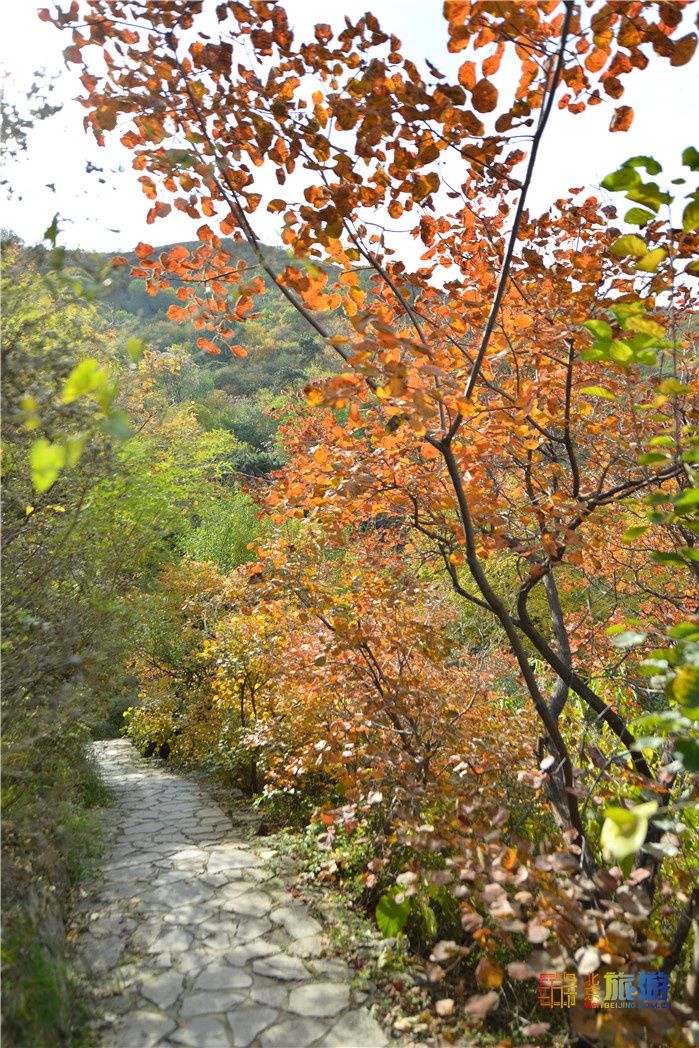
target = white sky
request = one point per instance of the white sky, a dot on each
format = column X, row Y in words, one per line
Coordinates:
column 578, row 151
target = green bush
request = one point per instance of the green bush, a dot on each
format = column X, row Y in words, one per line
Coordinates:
column 223, row 532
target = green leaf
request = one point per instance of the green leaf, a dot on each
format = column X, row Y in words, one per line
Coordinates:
column 624, row 830
column 672, row 385
column 620, row 352
column 624, row 178
column 693, row 266
column 690, row 217
column 627, row 309
column 599, row 328
column 686, row 501
column 628, row 639
column 86, row 377
column 117, row 425
column 635, row 532
column 629, row 245
column 687, row 751
column 184, row 158
column 685, row 686
column 650, row 195
column 667, row 558
column 51, row 233
column 46, row 461
column 429, row 920
column 650, row 164
column 598, row 391
column 684, row 631
column 595, row 353
column 392, row 916
column 105, row 395
column 73, row 447
column 651, row 457
column 648, row 742
column 650, row 261
column 641, row 341
column 135, row 348
column 638, row 216
column 30, row 408
column 690, row 158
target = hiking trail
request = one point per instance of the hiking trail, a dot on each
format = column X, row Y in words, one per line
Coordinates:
column 189, row 937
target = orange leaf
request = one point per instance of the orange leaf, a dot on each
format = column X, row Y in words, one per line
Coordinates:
column 467, row 75
column 522, row 320
column 144, row 251
column 684, row 50
column 423, row 185
column 622, row 119
column 492, row 64
column 207, row 345
column 131, row 139
column 596, row 60
column 509, row 860
column 485, row 96
column 489, row 975
column 238, row 351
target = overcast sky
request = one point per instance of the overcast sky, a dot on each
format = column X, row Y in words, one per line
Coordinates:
column 110, row 214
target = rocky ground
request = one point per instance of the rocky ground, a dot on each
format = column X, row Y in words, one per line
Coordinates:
column 190, row 936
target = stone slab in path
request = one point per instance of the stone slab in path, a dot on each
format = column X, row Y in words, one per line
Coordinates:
column 189, row 938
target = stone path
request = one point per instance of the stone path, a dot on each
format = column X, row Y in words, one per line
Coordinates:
column 190, row 939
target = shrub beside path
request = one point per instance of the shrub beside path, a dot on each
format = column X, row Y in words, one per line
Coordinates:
column 188, row 936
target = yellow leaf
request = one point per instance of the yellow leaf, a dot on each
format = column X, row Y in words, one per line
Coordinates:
column 650, row 261
column 489, row 975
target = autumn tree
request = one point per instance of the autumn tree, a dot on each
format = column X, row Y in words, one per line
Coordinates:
column 511, row 395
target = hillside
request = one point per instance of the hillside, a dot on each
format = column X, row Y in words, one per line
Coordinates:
column 228, row 392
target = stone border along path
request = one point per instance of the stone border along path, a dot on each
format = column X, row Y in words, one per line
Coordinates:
column 189, row 937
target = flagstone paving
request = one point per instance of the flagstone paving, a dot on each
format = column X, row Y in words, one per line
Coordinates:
column 190, row 938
